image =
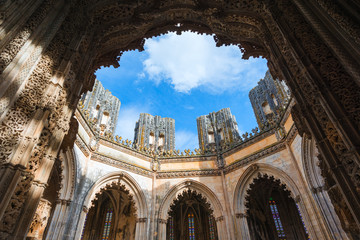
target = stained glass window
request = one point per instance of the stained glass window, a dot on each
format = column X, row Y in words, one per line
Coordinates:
column 171, row 228
column 107, row 224
column 191, row 226
column 297, row 206
column 276, row 217
column 212, row 228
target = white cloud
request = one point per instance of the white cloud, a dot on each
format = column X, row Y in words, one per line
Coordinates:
column 186, row 140
column 190, row 60
column 126, row 121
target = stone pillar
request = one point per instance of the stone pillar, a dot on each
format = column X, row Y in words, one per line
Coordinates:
column 153, row 206
column 314, row 221
column 55, row 230
column 82, row 222
column 222, row 235
column 328, row 213
column 242, row 226
column 229, row 218
column 161, row 229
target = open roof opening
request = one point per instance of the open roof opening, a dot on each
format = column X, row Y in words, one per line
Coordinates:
column 183, row 77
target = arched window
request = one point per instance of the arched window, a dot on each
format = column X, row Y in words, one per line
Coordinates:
column 107, row 224
column 276, row 217
column 161, row 140
column 152, row 140
column 191, row 226
column 105, row 118
column 191, row 217
column 211, row 137
column 266, row 108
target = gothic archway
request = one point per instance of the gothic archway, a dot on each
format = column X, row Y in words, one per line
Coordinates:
column 271, row 211
column 320, row 191
column 112, row 215
column 190, row 217
column 51, row 49
column 132, row 188
column 195, row 186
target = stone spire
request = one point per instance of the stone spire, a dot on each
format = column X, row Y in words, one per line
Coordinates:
column 155, row 132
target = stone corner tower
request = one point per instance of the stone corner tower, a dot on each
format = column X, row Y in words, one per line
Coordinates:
column 216, row 129
column 155, row 132
column 268, row 98
column 103, row 107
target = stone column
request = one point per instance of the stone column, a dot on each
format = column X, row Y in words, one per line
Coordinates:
column 58, row 219
column 328, row 213
column 242, row 226
column 161, row 229
column 229, row 218
column 222, row 235
column 82, row 222
column 315, row 223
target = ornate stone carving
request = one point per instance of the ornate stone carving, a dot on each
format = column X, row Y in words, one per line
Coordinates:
column 40, row 219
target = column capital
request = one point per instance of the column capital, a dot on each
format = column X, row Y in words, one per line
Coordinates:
column 241, row 215
column 163, row 221
column 140, row 220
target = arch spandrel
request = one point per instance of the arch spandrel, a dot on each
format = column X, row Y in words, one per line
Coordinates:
column 200, row 188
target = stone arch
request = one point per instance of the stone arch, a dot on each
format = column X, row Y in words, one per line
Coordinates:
column 130, row 183
column 300, row 38
column 173, row 193
column 116, row 201
column 316, row 182
column 134, row 189
column 66, row 193
column 243, row 185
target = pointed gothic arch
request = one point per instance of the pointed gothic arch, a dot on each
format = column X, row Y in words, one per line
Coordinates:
column 129, row 183
column 112, row 214
column 242, row 186
column 200, row 188
column 316, row 182
column 313, row 45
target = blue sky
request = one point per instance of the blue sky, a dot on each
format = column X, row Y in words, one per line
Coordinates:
column 183, row 77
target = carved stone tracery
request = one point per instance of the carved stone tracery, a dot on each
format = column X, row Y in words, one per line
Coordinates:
column 95, row 34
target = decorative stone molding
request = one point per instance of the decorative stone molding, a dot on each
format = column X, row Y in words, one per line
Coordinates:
column 85, row 209
column 240, row 215
column 317, row 190
column 291, row 134
column 82, row 146
column 219, row 219
column 162, row 221
column 40, row 219
column 141, row 220
column 177, row 174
